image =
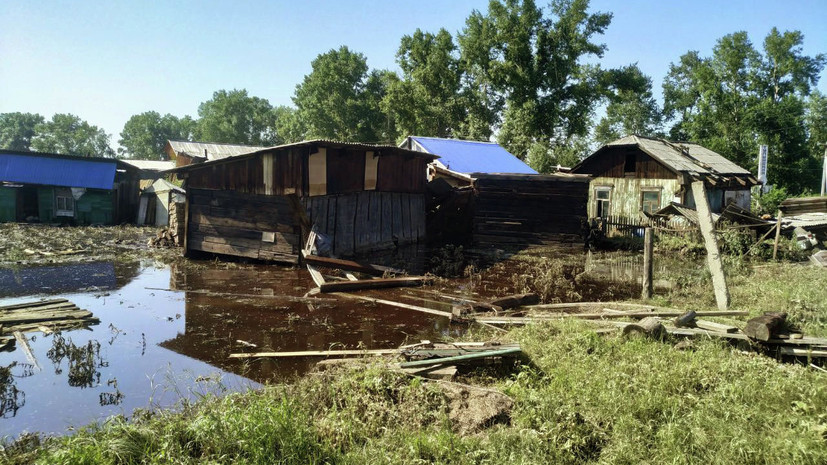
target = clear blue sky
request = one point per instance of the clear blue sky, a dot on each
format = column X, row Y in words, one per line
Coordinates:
column 108, row 60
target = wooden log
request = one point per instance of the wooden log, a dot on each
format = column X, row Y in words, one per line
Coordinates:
column 382, row 283
column 713, row 254
column 799, row 352
column 462, row 358
column 650, row 327
column 648, row 248
column 764, row 327
column 350, row 265
column 516, row 300
column 466, row 308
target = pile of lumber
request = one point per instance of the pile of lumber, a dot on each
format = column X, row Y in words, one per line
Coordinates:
column 44, row 315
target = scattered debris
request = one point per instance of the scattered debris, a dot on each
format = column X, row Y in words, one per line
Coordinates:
column 51, row 315
column 164, row 238
column 474, row 408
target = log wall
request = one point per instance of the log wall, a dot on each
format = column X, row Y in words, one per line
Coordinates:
column 529, row 209
column 243, row 225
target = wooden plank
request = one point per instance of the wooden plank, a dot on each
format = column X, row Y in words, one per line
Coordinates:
column 380, row 283
column 713, row 254
column 648, row 248
column 777, row 234
column 33, row 304
column 462, row 358
column 713, row 326
column 396, row 215
column 343, row 240
column 350, row 265
column 429, row 311
column 330, row 230
column 405, row 224
column 317, row 353
column 387, row 218
column 317, row 277
column 375, row 218
column 362, row 224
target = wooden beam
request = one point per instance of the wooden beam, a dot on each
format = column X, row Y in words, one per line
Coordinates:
column 317, row 353
column 713, row 254
column 461, row 358
column 777, row 234
column 380, row 283
column 646, row 292
column 349, row 265
column 391, row 303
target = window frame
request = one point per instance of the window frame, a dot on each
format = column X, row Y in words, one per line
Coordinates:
column 643, row 202
column 602, row 207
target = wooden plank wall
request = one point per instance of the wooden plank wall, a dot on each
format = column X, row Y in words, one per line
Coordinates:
column 242, row 225
column 524, row 211
column 368, row 221
column 612, row 162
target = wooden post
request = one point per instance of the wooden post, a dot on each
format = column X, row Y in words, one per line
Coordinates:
column 647, row 264
column 777, row 233
column 713, row 255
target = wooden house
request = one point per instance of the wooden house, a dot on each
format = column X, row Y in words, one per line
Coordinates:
column 54, row 188
column 485, row 196
column 185, row 153
column 157, row 200
column 358, row 197
column 638, row 174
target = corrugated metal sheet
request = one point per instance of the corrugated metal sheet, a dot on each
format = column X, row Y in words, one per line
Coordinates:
column 162, row 185
column 464, row 156
column 210, row 150
column 684, row 157
column 65, row 171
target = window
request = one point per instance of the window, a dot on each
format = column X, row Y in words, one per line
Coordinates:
column 630, row 165
column 650, row 201
column 602, row 197
column 64, row 206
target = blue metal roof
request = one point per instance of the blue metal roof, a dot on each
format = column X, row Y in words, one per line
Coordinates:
column 57, row 171
column 465, row 156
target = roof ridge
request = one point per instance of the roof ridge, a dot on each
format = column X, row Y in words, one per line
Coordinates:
column 456, row 140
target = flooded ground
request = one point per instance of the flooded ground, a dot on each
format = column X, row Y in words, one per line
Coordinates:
column 166, row 332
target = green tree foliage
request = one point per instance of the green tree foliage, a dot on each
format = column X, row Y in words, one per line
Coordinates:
column 234, row 117
column 427, row 101
column 740, row 98
column 632, row 108
column 289, row 127
column 68, row 134
column 144, row 135
column 816, row 119
column 340, row 98
column 17, row 130
column 529, row 68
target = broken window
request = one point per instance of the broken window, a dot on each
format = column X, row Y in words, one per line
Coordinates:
column 650, row 201
column 602, row 197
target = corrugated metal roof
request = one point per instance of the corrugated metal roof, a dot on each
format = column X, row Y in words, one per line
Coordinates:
column 684, row 157
column 465, row 156
column 209, row 150
column 64, row 171
column 150, row 165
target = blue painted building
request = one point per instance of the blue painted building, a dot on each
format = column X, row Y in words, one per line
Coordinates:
column 53, row 188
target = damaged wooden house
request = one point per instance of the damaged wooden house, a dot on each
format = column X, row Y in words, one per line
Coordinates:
column 53, row 188
column 485, row 196
column 638, row 175
column 358, row 198
column 184, row 153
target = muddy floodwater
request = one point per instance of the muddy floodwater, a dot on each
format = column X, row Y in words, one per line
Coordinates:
column 166, row 333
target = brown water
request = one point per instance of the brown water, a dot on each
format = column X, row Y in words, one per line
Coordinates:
column 166, row 333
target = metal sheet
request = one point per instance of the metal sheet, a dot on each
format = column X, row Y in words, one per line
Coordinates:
column 57, row 171
column 464, row 156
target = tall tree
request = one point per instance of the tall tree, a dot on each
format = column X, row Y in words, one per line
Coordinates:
column 427, row 101
column 234, row 117
column 530, row 66
column 144, row 135
column 68, row 134
column 632, row 108
column 816, row 118
column 17, row 130
column 339, row 99
column 740, row 98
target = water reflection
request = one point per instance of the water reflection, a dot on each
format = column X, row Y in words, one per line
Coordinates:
column 261, row 309
column 11, row 398
column 72, row 277
column 83, row 361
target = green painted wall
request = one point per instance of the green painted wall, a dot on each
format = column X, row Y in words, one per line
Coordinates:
column 625, row 196
column 46, row 204
column 94, row 207
column 8, row 204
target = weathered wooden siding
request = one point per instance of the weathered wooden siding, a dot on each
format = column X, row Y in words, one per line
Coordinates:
column 397, row 173
column 367, row 221
column 625, row 194
column 533, row 210
column 612, row 163
column 243, row 225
